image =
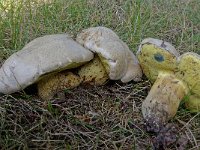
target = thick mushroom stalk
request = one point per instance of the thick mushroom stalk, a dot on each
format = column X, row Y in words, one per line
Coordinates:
column 57, row 82
column 158, row 60
column 174, row 78
column 163, row 100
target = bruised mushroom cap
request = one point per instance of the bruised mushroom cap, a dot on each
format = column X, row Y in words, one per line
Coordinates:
column 41, row 56
column 189, row 72
column 118, row 60
column 156, row 55
column 159, row 61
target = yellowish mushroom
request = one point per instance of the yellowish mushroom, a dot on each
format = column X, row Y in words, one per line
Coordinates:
column 174, row 78
column 159, row 61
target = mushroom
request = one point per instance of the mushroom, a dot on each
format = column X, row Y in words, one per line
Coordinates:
column 189, row 72
column 43, row 60
column 112, row 60
column 40, row 59
column 174, row 77
column 159, row 61
column 117, row 60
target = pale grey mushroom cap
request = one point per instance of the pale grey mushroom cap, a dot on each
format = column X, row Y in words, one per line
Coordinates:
column 118, row 60
column 160, row 44
column 41, row 56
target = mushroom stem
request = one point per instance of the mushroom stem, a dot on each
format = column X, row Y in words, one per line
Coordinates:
column 163, row 100
column 55, row 83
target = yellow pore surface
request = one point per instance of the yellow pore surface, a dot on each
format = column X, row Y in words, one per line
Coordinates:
column 93, row 73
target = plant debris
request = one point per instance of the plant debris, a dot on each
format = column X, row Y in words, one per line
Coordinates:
column 89, row 117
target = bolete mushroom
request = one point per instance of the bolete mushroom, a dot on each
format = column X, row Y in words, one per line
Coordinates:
column 113, row 60
column 117, row 60
column 40, row 58
column 189, row 72
column 159, row 61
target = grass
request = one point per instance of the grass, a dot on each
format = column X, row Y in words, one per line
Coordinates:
column 106, row 117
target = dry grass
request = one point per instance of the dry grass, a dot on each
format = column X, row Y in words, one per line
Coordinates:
column 107, row 117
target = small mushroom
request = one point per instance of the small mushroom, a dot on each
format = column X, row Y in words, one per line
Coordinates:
column 38, row 59
column 119, row 62
column 159, row 61
column 189, row 72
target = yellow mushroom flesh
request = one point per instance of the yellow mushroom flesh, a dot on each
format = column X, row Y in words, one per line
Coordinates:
column 93, row 73
column 189, row 72
column 54, row 83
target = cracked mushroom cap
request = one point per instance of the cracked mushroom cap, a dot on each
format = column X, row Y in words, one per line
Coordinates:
column 189, row 72
column 156, row 55
column 118, row 60
column 43, row 55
